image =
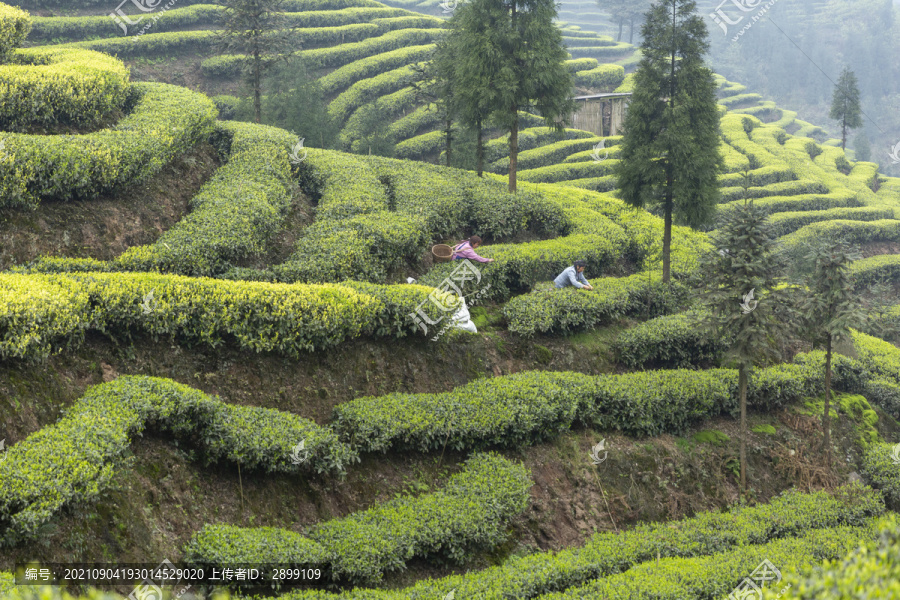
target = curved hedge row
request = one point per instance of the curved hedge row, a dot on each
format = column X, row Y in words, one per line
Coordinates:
column 788, row 222
column 367, row 90
column 472, row 510
column 48, row 86
column 606, row 76
column 375, row 214
column 38, row 312
column 855, row 233
column 344, row 77
column 784, row 188
column 230, row 65
column 234, row 214
column 871, row 571
column 75, row 459
column 549, row 310
column 527, row 407
column 166, row 121
column 605, row 554
column 716, row 575
column 874, row 269
column 675, row 341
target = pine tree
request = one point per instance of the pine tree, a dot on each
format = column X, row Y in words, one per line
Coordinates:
column 257, row 30
column 829, row 310
column 512, row 57
column 625, row 11
column 746, row 299
column 845, row 104
column 670, row 155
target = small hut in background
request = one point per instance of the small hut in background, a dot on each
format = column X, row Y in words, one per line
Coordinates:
column 603, row 114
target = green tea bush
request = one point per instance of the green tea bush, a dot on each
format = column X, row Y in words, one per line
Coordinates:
column 800, row 202
column 49, row 86
column 38, row 313
column 871, row 270
column 166, row 121
column 796, row 245
column 550, row 154
column 230, row 65
column 717, row 575
column 471, row 511
column 580, row 64
column 871, row 571
column 548, row 310
column 881, row 469
column 606, row 554
column 342, row 78
column 75, row 459
column 785, row 188
column 760, row 177
column 675, row 341
column 15, row 24
column 263, row 317
column 223, row 544
column 420, row 146
column 606, row 77
column 234, row 214
column 787, row 222
column 367, row 90
column 560, row 172
column 512, row 411
column 529, row 139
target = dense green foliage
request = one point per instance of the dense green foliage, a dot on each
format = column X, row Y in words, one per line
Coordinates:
column 470, row 511
column 76, row 459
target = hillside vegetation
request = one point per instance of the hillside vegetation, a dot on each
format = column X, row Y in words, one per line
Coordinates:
column 248, row 379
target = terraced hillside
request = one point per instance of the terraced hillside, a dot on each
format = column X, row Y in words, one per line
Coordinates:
column 256, row 384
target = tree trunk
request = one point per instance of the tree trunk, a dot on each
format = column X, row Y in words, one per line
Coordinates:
column 844, row 135
column 670, row 175
column 742, row 383
column 631, row 31
column 448, row 139
column 513, row 150
column 825, row 422
column 257, row 85
column 621, row 25
column 479, row 149
column 667, row 237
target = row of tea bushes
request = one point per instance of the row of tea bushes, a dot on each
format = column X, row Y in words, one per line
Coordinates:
column 234, row 214
column 606, row 554
column 75, row 459
column 166, row 121
column 39, row 313
column 784, row 223
column 673, row 341
column 44, row 87
column 797, row 244
column 228, row 66
column 528, row 407
column 15, row 24
column 471, row 511
column 717, row 575
column 872, row 570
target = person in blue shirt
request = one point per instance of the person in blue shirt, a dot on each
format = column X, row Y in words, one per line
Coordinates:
column 573, row 275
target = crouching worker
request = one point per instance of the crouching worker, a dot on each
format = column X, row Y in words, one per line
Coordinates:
column 573, row 275
column 466, row 249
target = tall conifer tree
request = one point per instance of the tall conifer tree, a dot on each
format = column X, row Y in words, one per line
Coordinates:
column 670, row 157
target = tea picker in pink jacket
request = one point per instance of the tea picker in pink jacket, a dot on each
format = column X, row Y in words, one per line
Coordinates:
column 466, row 249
